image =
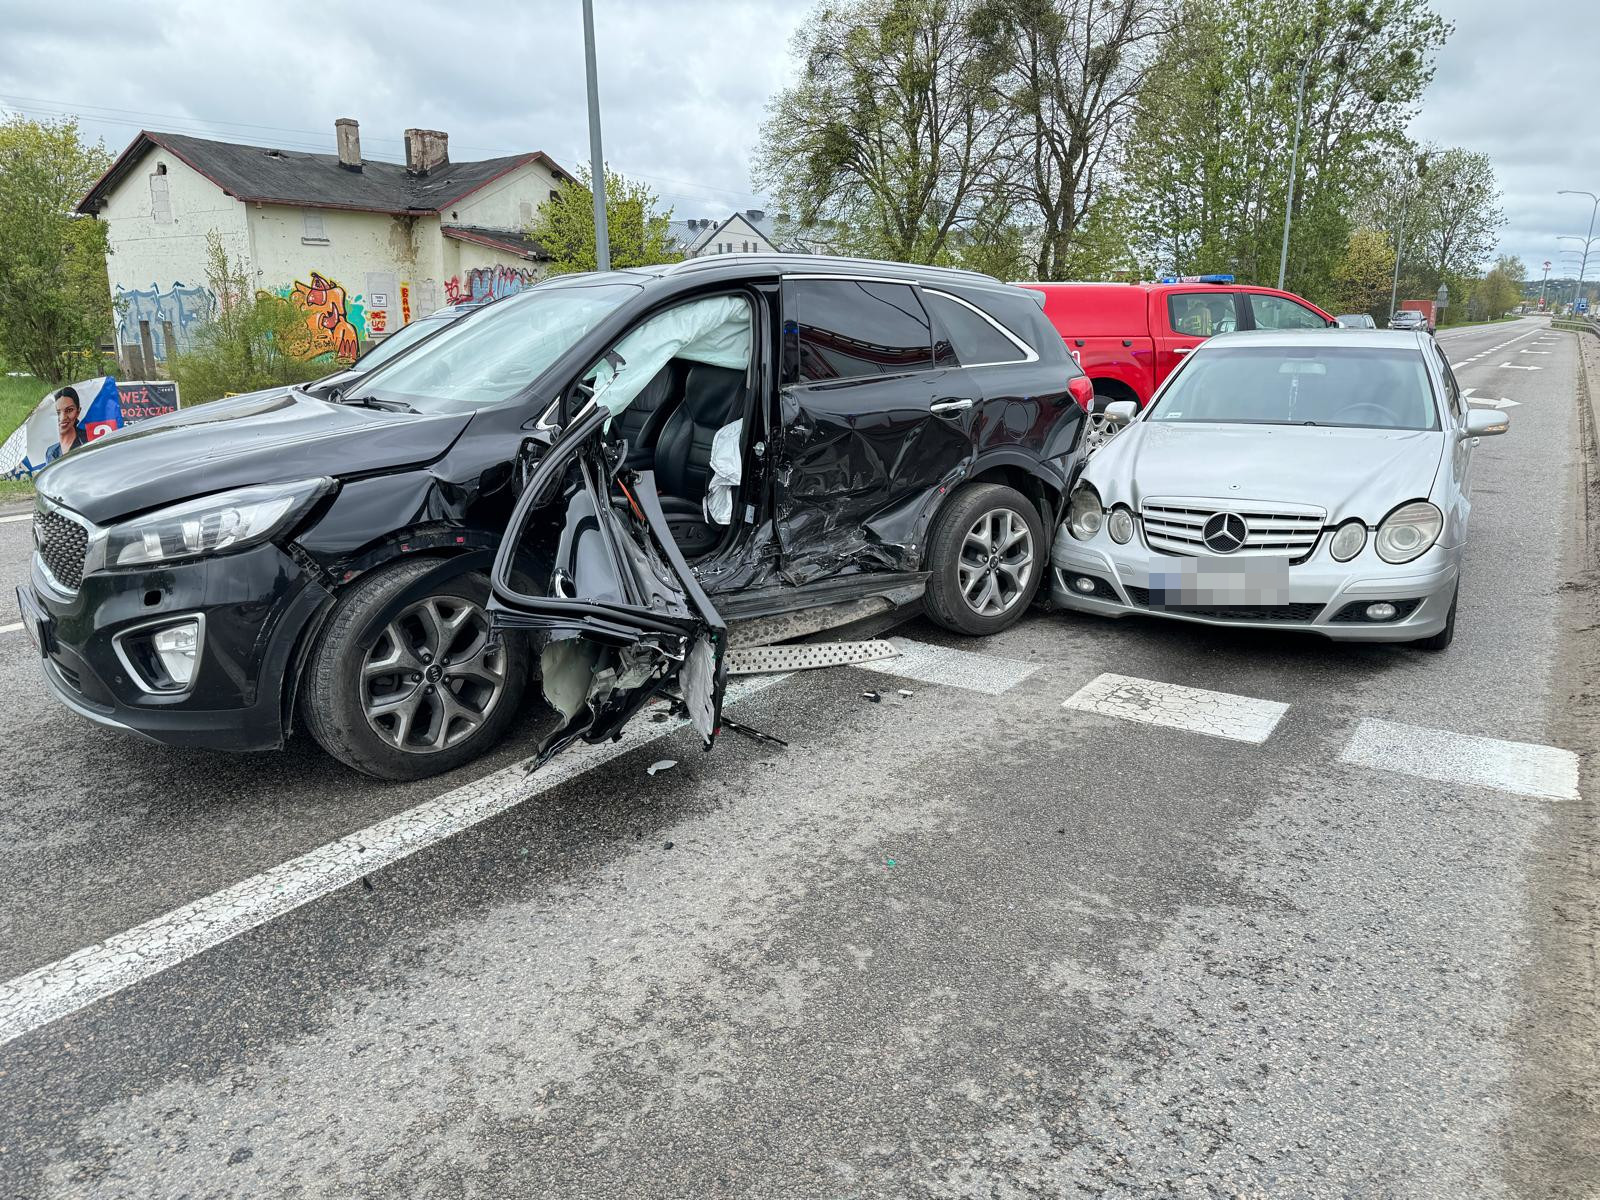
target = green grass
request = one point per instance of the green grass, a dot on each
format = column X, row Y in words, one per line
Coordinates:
column 19, row 395
column 14, row 490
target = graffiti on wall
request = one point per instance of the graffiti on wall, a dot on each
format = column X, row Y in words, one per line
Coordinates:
column 335, row 319
column 180, row 308
column 487, row 283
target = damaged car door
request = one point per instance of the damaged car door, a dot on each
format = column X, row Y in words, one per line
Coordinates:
column 872, row 427
column 616, row 617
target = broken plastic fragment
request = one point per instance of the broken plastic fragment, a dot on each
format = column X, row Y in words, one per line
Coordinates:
column 873, row 696
column 903, row 692
column 666, row 764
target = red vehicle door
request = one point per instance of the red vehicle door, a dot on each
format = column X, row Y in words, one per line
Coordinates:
column 1180, row 321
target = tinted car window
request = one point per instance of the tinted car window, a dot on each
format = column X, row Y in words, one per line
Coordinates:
column 1359, row 387
column 1451, row 390
column 1274, row 312
column 1201, row 314
column 848, row 328
column 973, row 336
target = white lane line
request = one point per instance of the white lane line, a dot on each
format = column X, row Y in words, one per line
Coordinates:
column 1546, row 353
column 1150, row 702
column 86, row 976
column 1516, row 367
column 11, row 628
column 984, row 673
column 1525, row 768
column 12, row 520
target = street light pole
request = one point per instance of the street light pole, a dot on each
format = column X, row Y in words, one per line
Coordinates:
column 1544, row 283
column 1590, row 237
column 1294, row 155
column 1399, row 248
column 597, row 161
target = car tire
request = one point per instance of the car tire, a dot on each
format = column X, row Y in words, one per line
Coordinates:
column 430, row 714
column 1445, row 636
column 968, row 554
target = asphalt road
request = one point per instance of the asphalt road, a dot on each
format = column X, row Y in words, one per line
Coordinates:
column 966, row 941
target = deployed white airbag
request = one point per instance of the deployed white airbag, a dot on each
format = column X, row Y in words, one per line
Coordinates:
column 727, row 464
column 715, row 331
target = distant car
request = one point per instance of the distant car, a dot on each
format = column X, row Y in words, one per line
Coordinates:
column 1356, row 321
column 1291, row 480
column 330, row 387
column 1408, row 318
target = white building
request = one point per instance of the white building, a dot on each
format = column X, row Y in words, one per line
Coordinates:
column 363, row 246
column 747, row 232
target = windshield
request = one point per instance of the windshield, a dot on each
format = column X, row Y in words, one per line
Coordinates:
column 402, row 338
column 1368, row 387
column 501, row 350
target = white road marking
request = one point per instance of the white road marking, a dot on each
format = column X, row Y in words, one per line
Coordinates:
column 985, row 673
column 1150, row 702
column 86, row 976
column 13, row 520
column 1502, row 403
column 1515, row 367
column 1521, row 767
column 10, row 628
column 1546, row 353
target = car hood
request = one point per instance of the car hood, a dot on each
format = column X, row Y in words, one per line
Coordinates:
column 262, row 437
column 1349, row 472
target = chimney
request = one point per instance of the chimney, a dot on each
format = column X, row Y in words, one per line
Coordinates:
column 348, row 135
column 426, row 149
column 754, row 215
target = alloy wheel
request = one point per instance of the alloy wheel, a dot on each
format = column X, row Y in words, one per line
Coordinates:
column 432, row 679
column 1098, row 430
column 996, row 562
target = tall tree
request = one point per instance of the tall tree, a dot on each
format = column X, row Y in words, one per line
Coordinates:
column 1075, row 73
column 1216, row 127
column 1362, row 278
column 1459, row 215
column 636, row 229
column 55, row 302
column 894, row 136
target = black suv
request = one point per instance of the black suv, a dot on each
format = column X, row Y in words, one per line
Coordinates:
column 767, row 445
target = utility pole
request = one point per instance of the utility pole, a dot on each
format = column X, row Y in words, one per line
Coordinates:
column 597, row 161
column 1399, row 249
column 1294, row 156
column 1544, row 283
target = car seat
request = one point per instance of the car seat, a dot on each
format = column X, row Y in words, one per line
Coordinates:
column 640, row 424
column 712, row 397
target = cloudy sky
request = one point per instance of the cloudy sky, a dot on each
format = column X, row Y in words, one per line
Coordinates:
column 683, row 85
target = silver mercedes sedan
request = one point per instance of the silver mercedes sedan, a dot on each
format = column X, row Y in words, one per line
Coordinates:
column 1306, row 479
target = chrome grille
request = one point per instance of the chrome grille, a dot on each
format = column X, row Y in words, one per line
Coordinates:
column 61, row 544
column 1173, row 526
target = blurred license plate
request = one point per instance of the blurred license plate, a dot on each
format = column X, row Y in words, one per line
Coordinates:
column 1213, row 582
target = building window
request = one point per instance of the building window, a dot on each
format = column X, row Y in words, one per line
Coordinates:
column 312, row 232
column 554, row 195
column 160, row 200
column 526, row 210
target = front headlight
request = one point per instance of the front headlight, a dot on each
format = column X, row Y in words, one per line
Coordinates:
column 1120, row 525
column 1084, row 514
column 226, row 521
column 1408, row 531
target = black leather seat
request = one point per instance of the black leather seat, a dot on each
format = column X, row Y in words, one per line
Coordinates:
column 641, row 422
column 712, row 397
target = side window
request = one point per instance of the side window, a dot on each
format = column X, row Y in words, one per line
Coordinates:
column 850, row 328
column 974, row 336
column 1201, row 314
column 1274, row 312
column 1452, row 391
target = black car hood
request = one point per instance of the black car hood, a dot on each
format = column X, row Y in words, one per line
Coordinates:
column 263, row 437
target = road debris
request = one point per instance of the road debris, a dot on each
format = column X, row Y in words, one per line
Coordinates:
column 873, row 696
column 806, row 656
column 665, row 764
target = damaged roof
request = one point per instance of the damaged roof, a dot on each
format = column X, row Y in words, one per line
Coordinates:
column 499, row 239
column 263, row 175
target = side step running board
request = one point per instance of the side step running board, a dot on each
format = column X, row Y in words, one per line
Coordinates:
column 759, row 660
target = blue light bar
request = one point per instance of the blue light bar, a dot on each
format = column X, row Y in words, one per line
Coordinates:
column 1195, row 279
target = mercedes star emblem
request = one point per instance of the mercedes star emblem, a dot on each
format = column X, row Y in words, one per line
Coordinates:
column 1224, row 532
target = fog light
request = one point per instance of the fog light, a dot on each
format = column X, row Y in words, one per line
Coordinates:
column 1381, row 611
column 1083, row 584
column 178, row 648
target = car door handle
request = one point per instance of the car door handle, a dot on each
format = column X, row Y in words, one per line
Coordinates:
column 1183, row 350
column 950, row 406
